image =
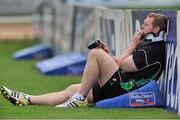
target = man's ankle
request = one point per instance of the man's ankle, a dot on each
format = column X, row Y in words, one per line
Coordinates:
column 79, row 96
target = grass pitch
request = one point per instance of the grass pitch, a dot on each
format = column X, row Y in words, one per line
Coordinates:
column 23, row 76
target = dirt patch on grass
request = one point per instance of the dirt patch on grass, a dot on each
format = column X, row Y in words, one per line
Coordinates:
column 16, row 31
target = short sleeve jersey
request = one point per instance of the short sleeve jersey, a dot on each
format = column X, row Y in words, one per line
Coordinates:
column 149, row 59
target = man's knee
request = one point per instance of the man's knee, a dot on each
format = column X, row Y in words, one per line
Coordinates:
column 95, row 52
column 73, row 87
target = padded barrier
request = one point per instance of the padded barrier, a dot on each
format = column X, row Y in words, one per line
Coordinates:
column 39, row 51
column 146, row 96
column 70, row 63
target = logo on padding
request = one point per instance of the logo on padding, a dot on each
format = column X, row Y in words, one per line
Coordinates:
column 142, row 99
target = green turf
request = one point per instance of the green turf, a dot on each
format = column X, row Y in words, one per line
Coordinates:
column 23, row 76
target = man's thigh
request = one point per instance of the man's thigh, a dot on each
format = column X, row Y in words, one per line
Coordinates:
column 107, row 66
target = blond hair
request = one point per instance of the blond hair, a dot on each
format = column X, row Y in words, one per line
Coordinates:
column 159, row 20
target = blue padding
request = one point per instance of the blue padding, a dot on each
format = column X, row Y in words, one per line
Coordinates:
column 146, row 96
column 37, row 51
column 71, row 63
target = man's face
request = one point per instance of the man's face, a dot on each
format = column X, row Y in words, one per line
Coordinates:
column 147, row 26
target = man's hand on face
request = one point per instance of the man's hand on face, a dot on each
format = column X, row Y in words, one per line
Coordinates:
column 137, row 37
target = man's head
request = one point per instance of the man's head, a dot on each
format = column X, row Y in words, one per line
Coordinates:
column 154, row 23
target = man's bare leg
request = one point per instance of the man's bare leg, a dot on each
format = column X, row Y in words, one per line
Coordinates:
column 55, row 97
column 100, row 66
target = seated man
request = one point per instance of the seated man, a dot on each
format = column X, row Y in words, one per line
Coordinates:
column 107, row 76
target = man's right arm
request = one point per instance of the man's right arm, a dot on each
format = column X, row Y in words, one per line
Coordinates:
column 136, row 40
column 125, row 61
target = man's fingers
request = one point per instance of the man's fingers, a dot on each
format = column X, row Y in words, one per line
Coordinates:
column 104, row 47
column 140, row 32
